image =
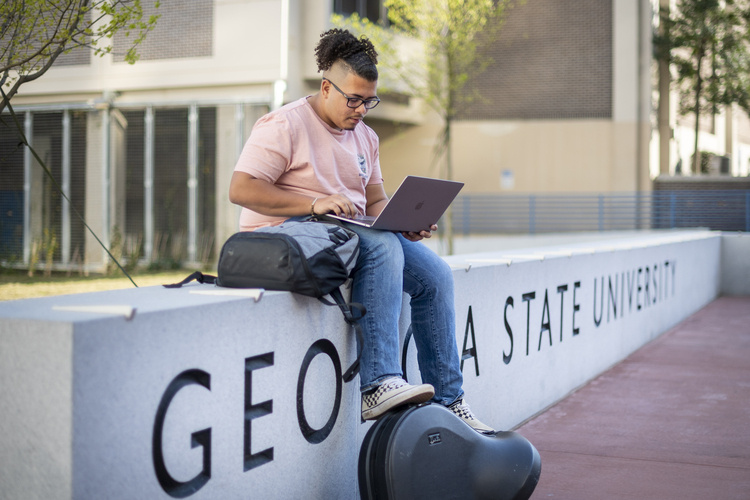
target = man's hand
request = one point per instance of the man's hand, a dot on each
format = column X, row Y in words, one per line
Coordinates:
column 412, row 236
column 336, row 204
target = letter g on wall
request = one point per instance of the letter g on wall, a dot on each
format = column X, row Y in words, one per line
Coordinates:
column 170, row 485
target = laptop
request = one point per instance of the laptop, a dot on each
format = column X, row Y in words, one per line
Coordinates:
column 417, row 204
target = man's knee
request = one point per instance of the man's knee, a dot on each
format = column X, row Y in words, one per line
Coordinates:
column 381, row 247
column 427, row 272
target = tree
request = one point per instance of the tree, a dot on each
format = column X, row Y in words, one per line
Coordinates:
column 34, row 33
column 453, row 33
column 707, row 44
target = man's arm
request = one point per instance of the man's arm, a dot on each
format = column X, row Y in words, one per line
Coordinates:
column 376, row 199
column 265, row 198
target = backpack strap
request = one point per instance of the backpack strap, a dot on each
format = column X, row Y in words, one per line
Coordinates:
column 197, row 276
column 348, row 308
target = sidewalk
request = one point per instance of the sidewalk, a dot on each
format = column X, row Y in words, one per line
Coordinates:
column 672, row 421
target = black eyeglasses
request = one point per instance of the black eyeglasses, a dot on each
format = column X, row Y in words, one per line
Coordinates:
column 355, row 102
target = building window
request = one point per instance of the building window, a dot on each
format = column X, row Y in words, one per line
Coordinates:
column 184, row 29
column 373, row 10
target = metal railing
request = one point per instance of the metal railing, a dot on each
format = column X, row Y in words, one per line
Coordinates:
column 727, row 210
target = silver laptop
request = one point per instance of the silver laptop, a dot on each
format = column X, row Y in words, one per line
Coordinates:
column 416, row 205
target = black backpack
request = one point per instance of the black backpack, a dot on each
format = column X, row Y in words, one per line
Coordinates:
column 302, row 256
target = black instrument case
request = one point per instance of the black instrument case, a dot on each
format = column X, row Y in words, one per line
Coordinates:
column 427, row 452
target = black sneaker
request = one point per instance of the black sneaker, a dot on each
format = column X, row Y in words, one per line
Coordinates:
column 391, row 393
column 461, row 409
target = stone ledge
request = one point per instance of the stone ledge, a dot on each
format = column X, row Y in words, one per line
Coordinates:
column 211, row 395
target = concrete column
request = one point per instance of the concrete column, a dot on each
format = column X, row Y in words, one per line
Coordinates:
column 229, row 120
column 192, row 182
column 148, row 183
column 39, row 194
column 27, row 186
column 631, row 57
column 65, row 237
column 665, row 122
column 645, row 61
column 96, row 197
column 731, row 141
column 625, row 95
column 118, row 166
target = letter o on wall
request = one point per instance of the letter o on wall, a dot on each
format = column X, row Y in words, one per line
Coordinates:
column 315, row 436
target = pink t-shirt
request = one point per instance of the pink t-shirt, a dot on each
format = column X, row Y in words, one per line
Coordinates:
column 296, row 150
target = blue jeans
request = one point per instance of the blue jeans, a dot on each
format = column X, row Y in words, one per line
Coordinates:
column 388, row 266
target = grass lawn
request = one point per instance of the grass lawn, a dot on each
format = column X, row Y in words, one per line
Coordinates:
column 18, row 285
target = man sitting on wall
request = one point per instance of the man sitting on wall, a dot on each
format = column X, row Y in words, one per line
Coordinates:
column 316, row 156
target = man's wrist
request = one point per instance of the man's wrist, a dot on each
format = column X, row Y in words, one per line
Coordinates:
column 312, row 207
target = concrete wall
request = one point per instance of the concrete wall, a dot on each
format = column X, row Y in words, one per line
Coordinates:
column 207, row 393
column 735, row 264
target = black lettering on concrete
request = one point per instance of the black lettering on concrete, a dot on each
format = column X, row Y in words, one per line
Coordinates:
column 472, row 351
column 405, row 352
column 669, row 265
column 253, row 411
column 561, row 290
column 631, row 289
column 528, row 297
column 612, row 297
column 601, row 303
column 173, row 487
column 315, row 436
column 646, row 286
column 546, row 324
column 576, row 307
column 507, row 357
column 639, row 289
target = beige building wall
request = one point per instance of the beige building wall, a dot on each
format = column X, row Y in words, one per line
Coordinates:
column 536, row 143
column 522, row 157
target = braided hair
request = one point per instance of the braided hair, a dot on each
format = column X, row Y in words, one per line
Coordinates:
column 357, row 53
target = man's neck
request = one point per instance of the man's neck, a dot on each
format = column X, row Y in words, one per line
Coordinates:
column 315, row 104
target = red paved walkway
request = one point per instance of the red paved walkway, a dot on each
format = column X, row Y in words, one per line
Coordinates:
column 672, row 421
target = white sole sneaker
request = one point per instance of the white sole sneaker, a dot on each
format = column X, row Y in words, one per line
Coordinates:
column 461, row 409
column 392, row 393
